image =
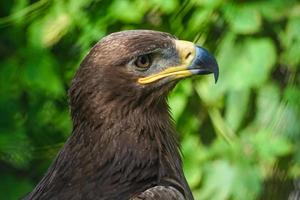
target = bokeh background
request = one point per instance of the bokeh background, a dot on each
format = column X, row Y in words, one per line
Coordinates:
column 240, row 137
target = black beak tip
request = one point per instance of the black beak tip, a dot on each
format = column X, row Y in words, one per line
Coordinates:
column 216, row 72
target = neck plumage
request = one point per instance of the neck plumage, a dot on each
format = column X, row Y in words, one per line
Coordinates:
column 121, row 152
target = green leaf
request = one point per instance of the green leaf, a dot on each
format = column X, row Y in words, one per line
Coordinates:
column 15, row 148
column 13, row 187
column 210, row 3
column 48, row 30
column 51, row 115
column 242, row 18
column 19, row 6
column 39, row 74
column 247, row 183
column 247, row 64
column 9, row 85
column 194, row 154
column 221, row 172
column 267, row 104
column 128, row 11
column 199, row 20
column 236, row 107
column 166, row 6
column 275, row 10
column 268, row 151
column 179, row 98
column 290, row 39
column 275, row 114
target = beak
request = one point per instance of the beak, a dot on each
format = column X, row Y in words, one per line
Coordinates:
column 194, row 60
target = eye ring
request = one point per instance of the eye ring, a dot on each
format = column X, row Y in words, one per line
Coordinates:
column 143, row 62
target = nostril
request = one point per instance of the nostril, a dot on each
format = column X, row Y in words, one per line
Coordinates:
column 188, row 55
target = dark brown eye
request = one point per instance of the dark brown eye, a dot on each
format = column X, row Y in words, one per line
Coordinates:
column 143, row 62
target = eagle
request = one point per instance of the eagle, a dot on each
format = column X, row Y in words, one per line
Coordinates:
column 123, row 144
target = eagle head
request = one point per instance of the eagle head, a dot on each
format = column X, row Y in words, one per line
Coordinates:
column 135, row 68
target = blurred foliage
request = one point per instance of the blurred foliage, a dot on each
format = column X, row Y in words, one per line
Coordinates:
column 240, row 137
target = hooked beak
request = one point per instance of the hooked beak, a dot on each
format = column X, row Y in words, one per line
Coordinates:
column 194, row 59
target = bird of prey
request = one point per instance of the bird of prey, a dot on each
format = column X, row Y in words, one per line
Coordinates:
column 123, row 144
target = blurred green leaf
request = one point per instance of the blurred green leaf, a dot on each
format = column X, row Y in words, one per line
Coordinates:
column 178, row 99
column 236, row 108
column 18, row 7
column 199, row 20
column 50, row 115
column 221, row 172
column 166, row 6
column 267, row 103
column 48, row 30
column 210, row 3
column 247, row 64
column 9, row 85
column 40, row 74
column 194, row 155
column 290, row 39
column 276, row 115
column 12, row 188
column 128, row 11
column 15, row 148
column 242, row 18
column 268, row 151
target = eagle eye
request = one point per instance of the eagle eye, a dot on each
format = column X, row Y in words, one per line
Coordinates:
column 143, row 62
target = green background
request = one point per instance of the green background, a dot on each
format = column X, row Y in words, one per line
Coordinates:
column 240, row 137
